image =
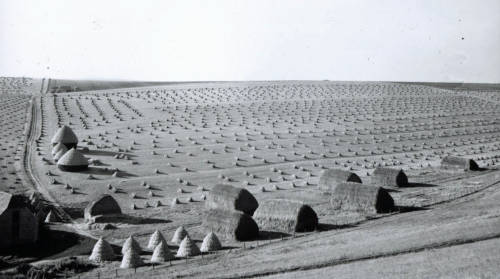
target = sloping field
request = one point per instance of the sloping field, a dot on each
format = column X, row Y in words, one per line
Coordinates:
column 164, row 142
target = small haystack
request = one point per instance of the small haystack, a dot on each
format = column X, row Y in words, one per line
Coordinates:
column 351, row 196
column 66, row 136
column 389, row 177
column 56, row 149
column 103, row 205
column 131, row 258
column 161, row 253
column 155, row 239
column 454, row 162
column 210, row 243
column 231, row 224
column 227, row 197
column 131, row 243
column 331, row 178
column 73, row 160
column 102, row 251
column 179, row 235
column 59, row 155
column 52, row 217
column 188, row 248
column 286, row 216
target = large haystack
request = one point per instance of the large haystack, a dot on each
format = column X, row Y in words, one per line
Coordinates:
column 231, row 224
column 210, row 243
column 331, row 178
column 155, row 239
column 131, row 259
column 103, row 205
column 352, row 196
column 102, row 251
column 18, row 225
column 73, row 160
column 231, row 198
column 389, row 177
column 454, row 162
column 286, row 216
column 179, row 235
column 129, row 244
column 66, row 136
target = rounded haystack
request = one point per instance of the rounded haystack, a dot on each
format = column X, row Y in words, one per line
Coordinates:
column 58, row 148
column 103, row 205
column 73, row 160
column 179, row 235
column 66, row 136
column 389, row 177
column 155, row 239
column 231, row 198
column 161, row 253
column 188, row 248
column 210, row 243
column 288, row 216
column 52, row 217
column 131, row 258
column 351, row 196
column 331, row 178
column 102, row 251
column 131, row 244
column 230, row 224
column 453, row 162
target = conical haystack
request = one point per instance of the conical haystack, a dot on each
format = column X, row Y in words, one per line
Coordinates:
column 179, row 235
column 161, row 253
column 155, row 239
column 131, row 258
column 65, row 136
column 102, row 251
column 51, row 217
column 58, row 148
column 73, row 160
column 210, row 243
column 188, row 248
column 59, row 154
column 131, row 243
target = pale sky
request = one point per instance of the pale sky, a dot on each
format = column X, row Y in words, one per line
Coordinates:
column 398, row 40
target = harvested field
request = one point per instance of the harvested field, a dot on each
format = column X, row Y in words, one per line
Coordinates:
column 149, row 146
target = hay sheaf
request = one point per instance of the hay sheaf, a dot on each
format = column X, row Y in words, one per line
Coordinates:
column 331, row 178
column 459, row 163
column 227, row 197
column 389, row 177
column 350, row 196
column 286, row 216
column 230, row 224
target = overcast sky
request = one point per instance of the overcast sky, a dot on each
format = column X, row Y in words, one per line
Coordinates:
column 424, row 40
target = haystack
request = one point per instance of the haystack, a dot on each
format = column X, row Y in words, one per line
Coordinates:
column 454, row 162
column 231, row 198
column 389, row 177
column 210, row 243
column 73, row 160
column 179, row 235
column 231, row 224
column 103, row 205
column 102, row 251
column 66, row 136
column 58, row 147
column 331, row 178
column 161, row 253
column 59, row 155
column 52, row 217
column 131, row 244
column 351, row 196
column 286, row 216
column 188, row 248
column 18, row 225
column 131, row 258
column 155, row 239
